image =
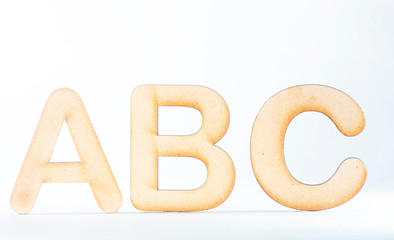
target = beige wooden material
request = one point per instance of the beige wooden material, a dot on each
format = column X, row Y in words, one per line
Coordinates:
column 267, row 147
column 65, row 104
column 147, row 146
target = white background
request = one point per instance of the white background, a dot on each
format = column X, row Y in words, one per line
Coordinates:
column 246, row 51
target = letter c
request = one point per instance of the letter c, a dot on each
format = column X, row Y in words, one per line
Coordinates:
column 267, row 153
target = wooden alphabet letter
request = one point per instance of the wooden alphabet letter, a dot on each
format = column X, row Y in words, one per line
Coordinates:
column 65, row 104
column 267, row 147
column 147, row 146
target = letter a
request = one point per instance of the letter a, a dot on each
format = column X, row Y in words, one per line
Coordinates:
column 65, row 104
column 147, row 146
column 267, row 155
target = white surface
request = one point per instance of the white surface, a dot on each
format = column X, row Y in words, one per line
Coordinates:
column 347, row 222
column 246, row 51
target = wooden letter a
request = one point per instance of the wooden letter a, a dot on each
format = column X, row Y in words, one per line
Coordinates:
column 65, row 104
